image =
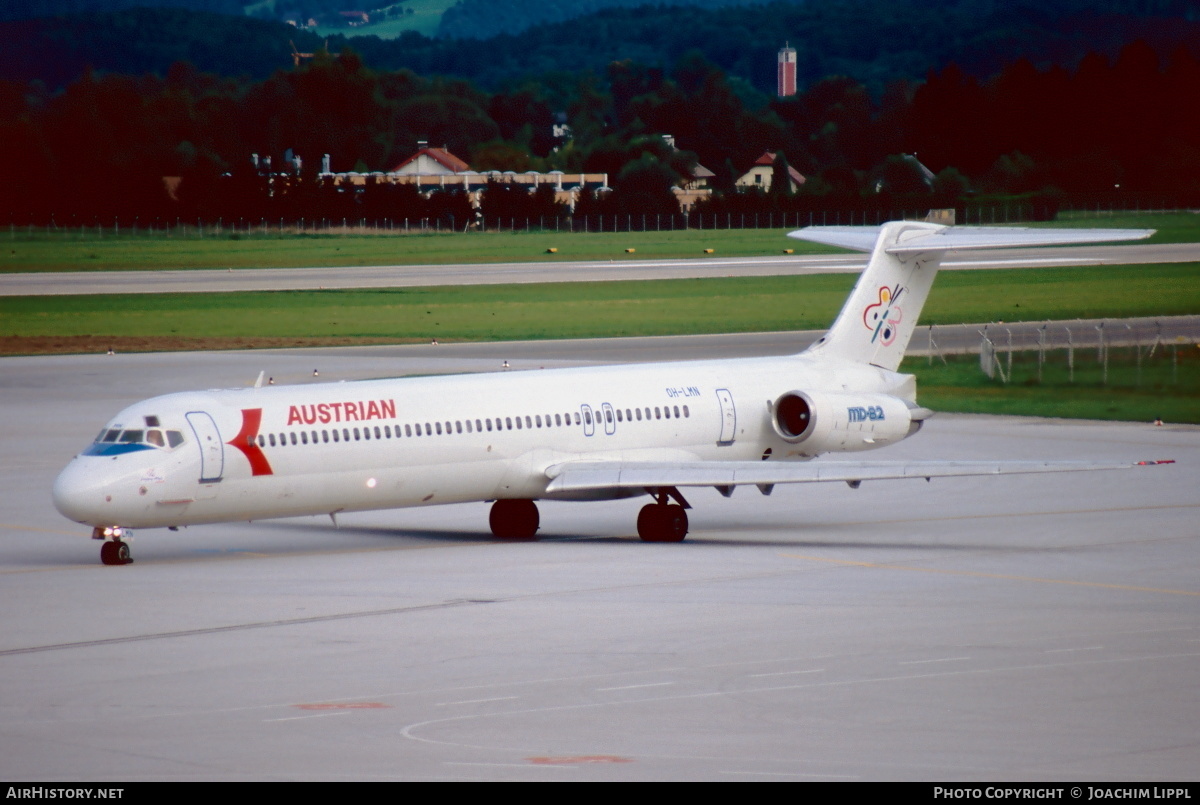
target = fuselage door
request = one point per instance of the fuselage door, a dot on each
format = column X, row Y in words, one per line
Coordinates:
column 610, row 419
column 728, row 418
column 212, row 450
column 589, row 424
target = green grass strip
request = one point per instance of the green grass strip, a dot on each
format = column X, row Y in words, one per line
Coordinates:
column 601, row 309
column 76, row 251
column 103, row 249
column 1166, row 385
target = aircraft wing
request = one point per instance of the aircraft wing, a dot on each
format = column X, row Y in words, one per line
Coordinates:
column 577, row 476
column 952, row 238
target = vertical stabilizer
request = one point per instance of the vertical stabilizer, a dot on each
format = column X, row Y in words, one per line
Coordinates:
column 879, row 317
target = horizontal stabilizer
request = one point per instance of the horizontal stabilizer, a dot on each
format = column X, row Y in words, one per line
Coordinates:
column 582, row 476
column 953, row 238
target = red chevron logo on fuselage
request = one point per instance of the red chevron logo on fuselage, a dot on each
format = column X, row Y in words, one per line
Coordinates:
column 247, row 442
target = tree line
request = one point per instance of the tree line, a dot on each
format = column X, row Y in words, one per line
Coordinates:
column 99, row 149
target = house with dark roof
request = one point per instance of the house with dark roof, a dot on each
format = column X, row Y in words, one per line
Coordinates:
column 694, row 186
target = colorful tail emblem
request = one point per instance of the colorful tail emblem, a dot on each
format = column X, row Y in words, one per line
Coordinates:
column 246, row 441
column 881, row 318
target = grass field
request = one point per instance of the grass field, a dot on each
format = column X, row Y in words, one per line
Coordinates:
column 75, row 251
column 426, row 16
column 1165, row 386
column 1172, row 227
column 102, row 250
column 587, row 310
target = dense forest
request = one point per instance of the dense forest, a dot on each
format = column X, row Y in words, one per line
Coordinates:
column 1084, row 121
column 483, row 19
column 857, row 38
column 34, row 9
column 99, row 150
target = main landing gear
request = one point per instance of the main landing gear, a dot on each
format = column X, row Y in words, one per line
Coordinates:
column 514, row 519
column 663, row 521
column 114, row 551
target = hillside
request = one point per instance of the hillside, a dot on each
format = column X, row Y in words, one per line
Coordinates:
column 857, row 38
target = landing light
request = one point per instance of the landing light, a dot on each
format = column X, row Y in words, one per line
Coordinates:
column 370, row 483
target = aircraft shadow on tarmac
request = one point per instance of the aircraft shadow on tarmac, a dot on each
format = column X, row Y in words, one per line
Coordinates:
column 695, row 541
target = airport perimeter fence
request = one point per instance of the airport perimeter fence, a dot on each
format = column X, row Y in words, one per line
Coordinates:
column 702, row 221
column 1120, row 352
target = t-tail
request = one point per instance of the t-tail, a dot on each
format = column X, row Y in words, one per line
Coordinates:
column 879, row 318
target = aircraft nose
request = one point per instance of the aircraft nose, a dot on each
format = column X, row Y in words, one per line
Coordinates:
column 78, row 493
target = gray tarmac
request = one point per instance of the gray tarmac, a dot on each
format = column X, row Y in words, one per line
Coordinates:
column 396, row 276
column 1017, row 628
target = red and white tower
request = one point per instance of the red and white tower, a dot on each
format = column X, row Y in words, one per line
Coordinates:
column 786, row 72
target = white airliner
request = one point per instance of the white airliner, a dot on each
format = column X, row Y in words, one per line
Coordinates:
column 564, row 434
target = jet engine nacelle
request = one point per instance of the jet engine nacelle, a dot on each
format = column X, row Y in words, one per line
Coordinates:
column 821, row 422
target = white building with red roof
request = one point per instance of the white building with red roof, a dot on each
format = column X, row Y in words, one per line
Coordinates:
column 431, row 162
column 762, row 172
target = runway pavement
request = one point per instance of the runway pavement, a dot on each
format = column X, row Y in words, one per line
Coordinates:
column 200, row 280
column 1016, row 628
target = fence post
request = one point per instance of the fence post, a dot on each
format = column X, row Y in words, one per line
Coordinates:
column 1070, row 357
column 1041, row 350
column 1010, row 352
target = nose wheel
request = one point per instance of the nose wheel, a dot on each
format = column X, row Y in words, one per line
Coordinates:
column 114, row 551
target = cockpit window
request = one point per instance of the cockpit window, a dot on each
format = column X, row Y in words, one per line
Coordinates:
column 115, row 441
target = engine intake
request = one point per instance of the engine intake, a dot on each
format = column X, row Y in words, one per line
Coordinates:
column 825, row 421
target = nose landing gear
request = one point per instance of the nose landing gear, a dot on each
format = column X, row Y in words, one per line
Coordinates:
column 114, row 551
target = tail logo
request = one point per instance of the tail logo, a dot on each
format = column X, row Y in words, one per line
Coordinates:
column 882, row 317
